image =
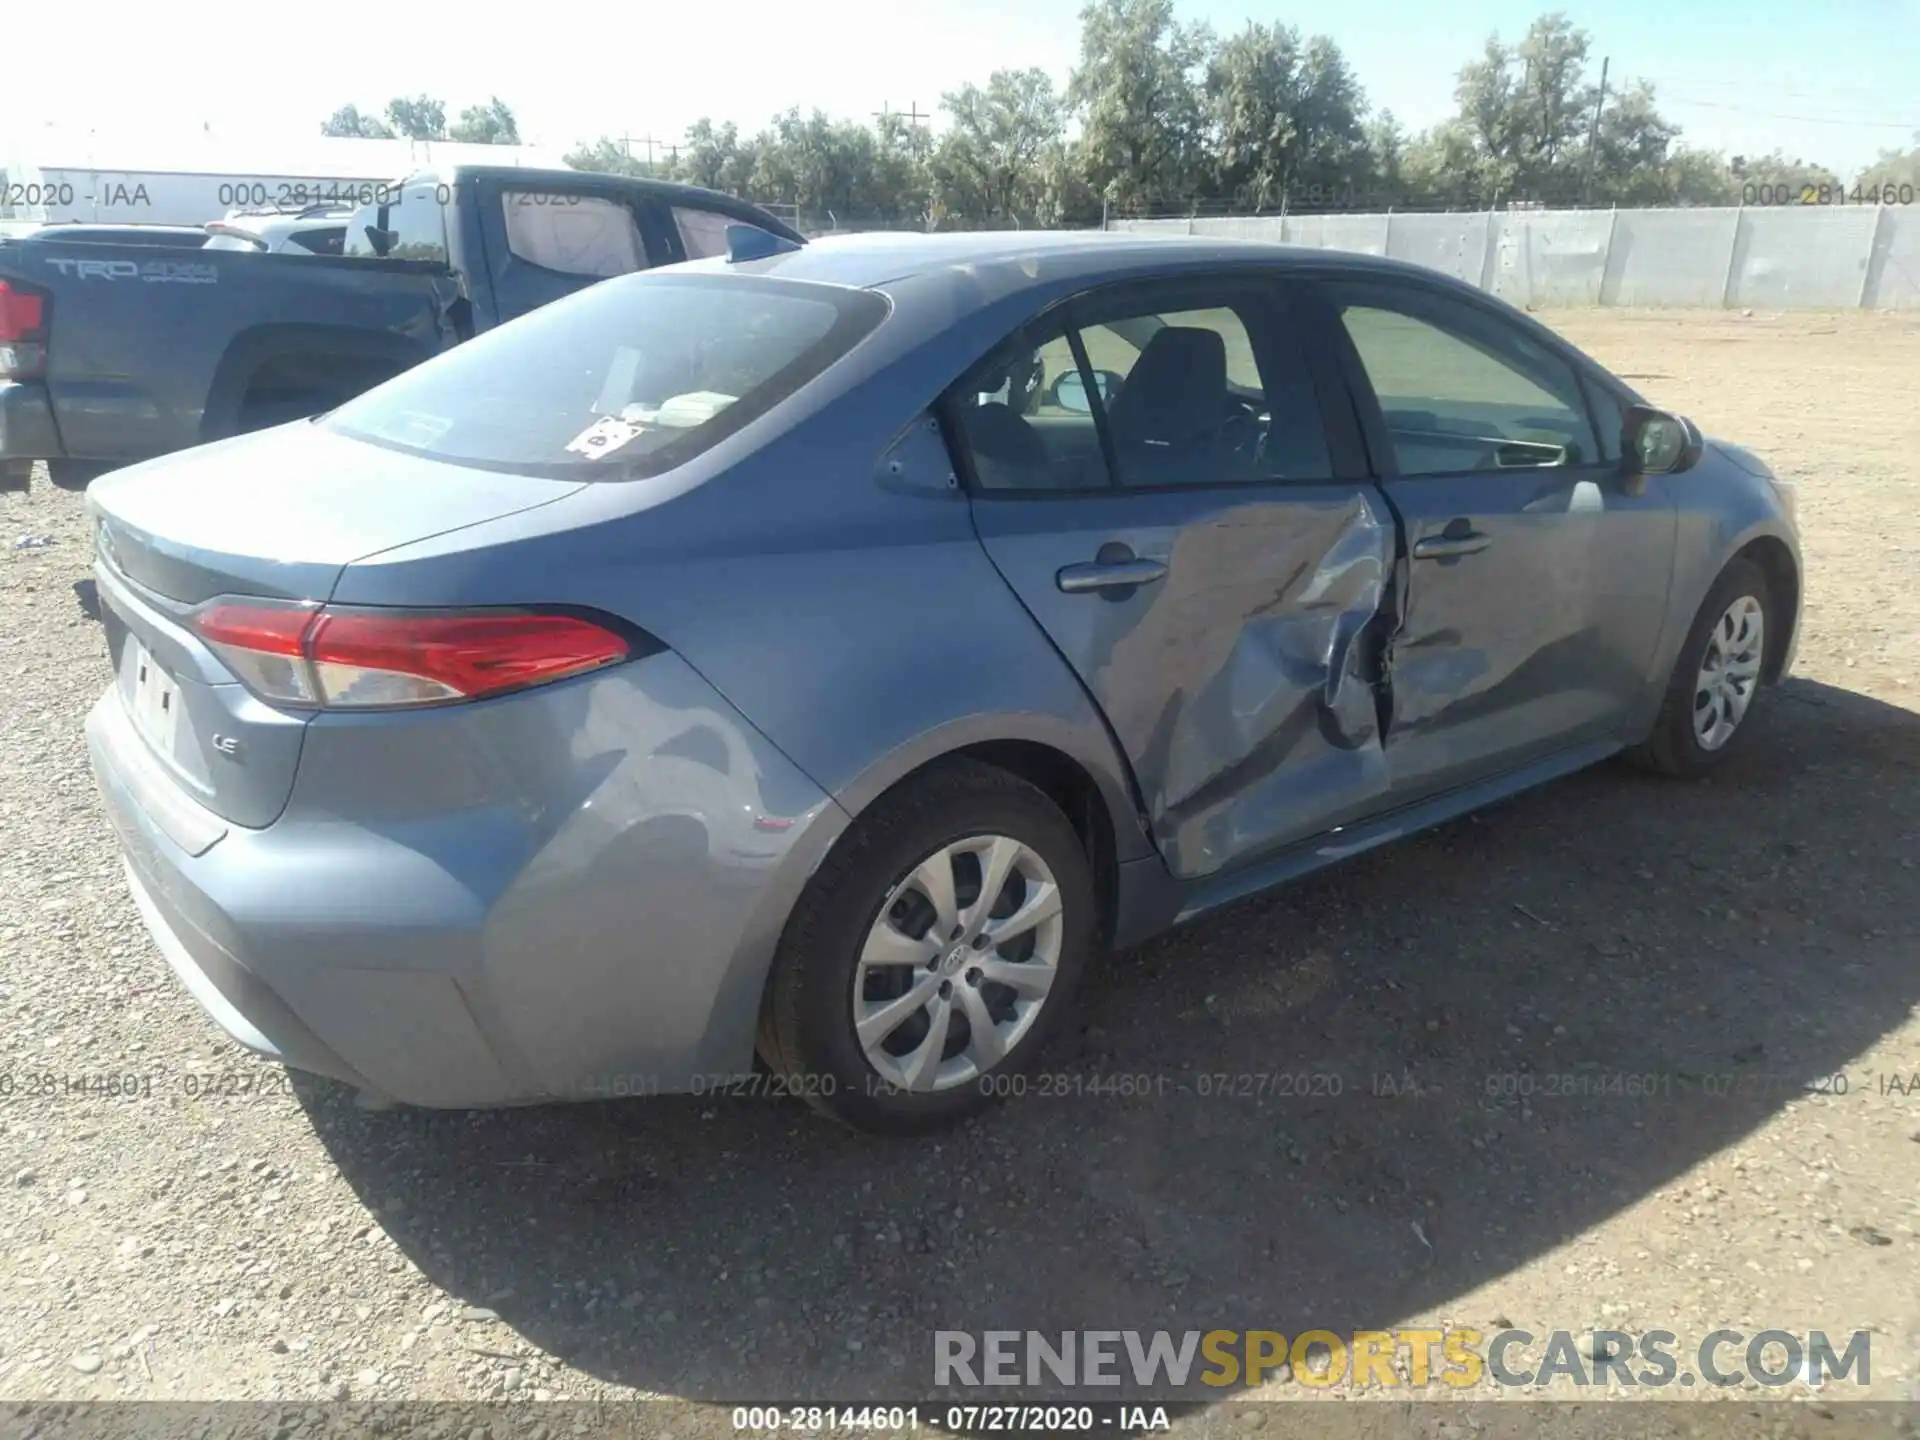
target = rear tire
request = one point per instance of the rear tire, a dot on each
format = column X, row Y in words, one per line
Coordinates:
column 1708, row 709
column 875, row 956
column 75, row 474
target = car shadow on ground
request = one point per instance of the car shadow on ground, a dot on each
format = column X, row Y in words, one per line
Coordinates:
column 1333, row 1130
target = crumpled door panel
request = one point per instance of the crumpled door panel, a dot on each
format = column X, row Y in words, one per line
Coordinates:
column 1240, row 686
column 1284, row 729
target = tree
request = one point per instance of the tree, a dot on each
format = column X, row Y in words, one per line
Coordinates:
column 902, row 150
column 1894, row 167
column 608, row 156
column 800, row 162
column 1067, row 197
column 714, row 157
column 988, row 163
column 1525, row 109
column 1525, row 129
column 489, row 124
column 1633, row 157
column 1442, row 166
column 1386, row 158
column 1699, row 177
column 1283, row 115
column 1165, row 113
column 1137, row 93
column 1786, row 176
column 420, row 118
column 349, row 122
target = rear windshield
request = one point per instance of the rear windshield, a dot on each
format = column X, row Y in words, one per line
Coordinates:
column 626, row 379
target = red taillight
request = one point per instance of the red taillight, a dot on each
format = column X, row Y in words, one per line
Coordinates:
column 22, row 313
column 23, row 341
column 345, row 658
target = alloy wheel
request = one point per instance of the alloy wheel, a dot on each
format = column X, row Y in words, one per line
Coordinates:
column 1729, row 672
column 958, row 963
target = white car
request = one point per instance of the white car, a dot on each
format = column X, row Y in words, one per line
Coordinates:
column 315, row 231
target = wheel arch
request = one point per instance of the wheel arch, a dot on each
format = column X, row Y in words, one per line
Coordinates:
column 1782, row 568
column 1094, row 791
column 255, row 351
column 1071, row 787
column 1708, row 544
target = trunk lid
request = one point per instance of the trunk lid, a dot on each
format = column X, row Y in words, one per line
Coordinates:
column 279, row 513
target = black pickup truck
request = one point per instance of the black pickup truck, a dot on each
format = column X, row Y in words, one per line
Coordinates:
column 112, row 352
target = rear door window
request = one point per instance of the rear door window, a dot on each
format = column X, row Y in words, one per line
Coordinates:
column 573, row 234
column 1196, row 384
column 703, row 233
column 621, row 380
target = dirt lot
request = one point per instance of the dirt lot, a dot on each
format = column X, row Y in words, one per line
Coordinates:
column 1735, row 939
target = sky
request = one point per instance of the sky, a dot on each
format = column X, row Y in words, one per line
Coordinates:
column 1835, row 82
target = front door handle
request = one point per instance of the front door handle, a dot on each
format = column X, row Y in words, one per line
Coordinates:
column 1445, row 547
column 1110, row 575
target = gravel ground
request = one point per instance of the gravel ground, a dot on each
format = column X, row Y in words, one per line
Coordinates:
column 222, row 1233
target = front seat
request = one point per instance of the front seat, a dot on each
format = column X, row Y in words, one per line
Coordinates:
column 1172, row 417
column 1007, row 454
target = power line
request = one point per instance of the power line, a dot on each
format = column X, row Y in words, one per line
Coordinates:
column 1744, row 85
column 1665, row 98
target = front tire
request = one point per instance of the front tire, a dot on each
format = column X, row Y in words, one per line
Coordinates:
column 934, row 954
column 1708, row 710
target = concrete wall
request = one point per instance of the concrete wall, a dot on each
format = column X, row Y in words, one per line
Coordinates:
column 1793, row 257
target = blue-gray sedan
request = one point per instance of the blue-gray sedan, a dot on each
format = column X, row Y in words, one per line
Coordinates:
column 824, row 655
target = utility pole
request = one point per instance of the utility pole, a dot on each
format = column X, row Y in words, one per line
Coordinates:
column 1593, row 130
column 627, row 143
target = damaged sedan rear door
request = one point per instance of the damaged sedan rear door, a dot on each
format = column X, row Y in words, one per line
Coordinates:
column 1156, row 474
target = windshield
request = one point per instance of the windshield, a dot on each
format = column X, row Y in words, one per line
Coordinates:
column 628, row 378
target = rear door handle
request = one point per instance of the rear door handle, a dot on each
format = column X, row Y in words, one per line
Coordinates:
column 1110, row 575
column 1443, row 547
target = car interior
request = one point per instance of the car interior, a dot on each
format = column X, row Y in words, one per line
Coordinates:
column 1183, row 399
column 1454, row 401
column 1185, row 402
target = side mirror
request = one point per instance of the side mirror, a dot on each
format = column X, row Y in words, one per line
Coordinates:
column 1070, row 390
column 1653, row 442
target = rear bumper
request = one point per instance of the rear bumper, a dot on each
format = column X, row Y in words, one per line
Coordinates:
column 27, row 431
column 570, row 894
